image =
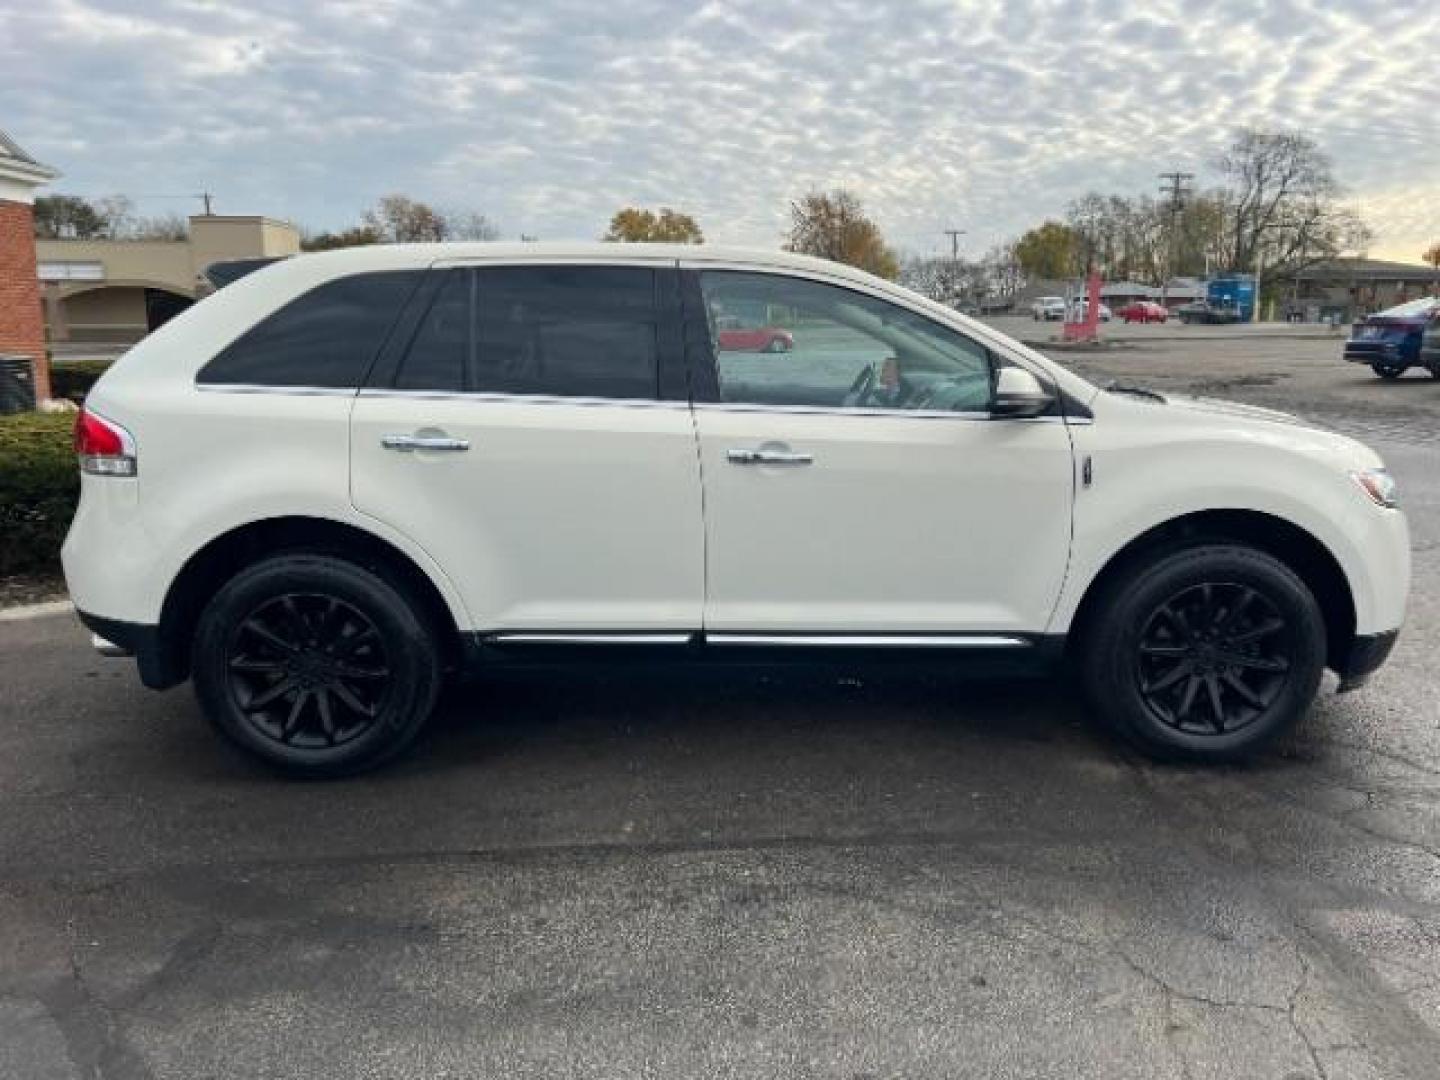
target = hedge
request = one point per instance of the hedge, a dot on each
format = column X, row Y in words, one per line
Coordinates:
column 73, row 378
column 39, row 486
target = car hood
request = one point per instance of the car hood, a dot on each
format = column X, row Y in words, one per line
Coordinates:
column 1217, row 407
column 1209, row 417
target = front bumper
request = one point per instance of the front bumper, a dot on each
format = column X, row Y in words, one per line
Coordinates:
column 1378, row 352
column 1367, row 653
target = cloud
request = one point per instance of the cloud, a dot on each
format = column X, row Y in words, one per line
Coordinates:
column 547, row 115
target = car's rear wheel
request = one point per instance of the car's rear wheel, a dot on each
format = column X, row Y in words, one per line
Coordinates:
column 1205, row 653
column 1388, row 371
column 315, row 665
column 777, row 345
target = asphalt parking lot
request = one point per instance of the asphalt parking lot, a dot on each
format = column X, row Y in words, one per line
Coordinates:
column 758, row 873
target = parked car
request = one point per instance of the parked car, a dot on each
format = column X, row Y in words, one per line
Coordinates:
column 346, row 476
column 1389, row 341
column 1144, row 311
column 1048, row 309
column 733, row 336
column 1080, row 307
column 1202, row 311
column 1430, row 345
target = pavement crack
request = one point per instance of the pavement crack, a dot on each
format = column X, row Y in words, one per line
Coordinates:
column 1294, row 1020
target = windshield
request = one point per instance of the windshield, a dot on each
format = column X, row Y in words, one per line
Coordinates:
column 1412, row 309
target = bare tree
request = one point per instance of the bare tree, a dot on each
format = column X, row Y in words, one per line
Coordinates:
column 468, row 225
column 1284, row 205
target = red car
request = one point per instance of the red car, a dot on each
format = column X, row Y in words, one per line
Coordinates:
column 736, row 338
column 1144, row 311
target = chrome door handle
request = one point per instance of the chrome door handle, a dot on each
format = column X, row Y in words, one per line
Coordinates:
column 405, row 443
column 768, row 457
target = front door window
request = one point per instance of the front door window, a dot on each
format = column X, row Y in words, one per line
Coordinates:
column 787, row 341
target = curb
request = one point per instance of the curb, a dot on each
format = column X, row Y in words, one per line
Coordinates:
column 36, row 611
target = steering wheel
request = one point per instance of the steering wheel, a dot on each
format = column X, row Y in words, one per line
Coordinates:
column 861, row 388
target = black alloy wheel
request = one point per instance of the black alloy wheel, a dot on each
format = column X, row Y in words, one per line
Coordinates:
column 1213, row 658
column 1388, row 371
column 308, row 670
column 1206, row 652
column 317, row 665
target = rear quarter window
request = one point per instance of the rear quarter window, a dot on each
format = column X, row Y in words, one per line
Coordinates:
column 326, row 337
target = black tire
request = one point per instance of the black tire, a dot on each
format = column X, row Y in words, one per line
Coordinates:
column 1433, row 367
column 315, row 665
column 1388, row 371
column 1206, row 653
column 777, row 345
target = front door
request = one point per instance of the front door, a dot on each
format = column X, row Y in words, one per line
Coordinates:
column 523, row 441
column 856, row 484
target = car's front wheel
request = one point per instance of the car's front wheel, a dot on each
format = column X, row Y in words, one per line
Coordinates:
column 1388, row 371
column 1205, row 653
column 315, row 665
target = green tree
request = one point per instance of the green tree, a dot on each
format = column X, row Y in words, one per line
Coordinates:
column 357, row 236
column 1050, row 250
column 67, row 217
column 634, row 225
column 833, row 225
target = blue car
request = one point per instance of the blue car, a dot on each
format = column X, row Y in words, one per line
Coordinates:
column 1389, row 341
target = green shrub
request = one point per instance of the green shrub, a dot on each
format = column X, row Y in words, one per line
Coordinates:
column 73, row 378
column 39, row 486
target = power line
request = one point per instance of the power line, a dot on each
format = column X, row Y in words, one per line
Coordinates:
column 1177, row 187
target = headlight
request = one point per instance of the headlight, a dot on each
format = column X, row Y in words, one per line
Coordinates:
column 1380, row 486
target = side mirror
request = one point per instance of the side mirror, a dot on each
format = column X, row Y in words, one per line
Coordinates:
column 1018, row 395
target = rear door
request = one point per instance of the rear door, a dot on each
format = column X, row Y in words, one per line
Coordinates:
column 532, row 434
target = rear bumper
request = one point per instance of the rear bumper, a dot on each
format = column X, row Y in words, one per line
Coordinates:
column 158, row 667
column 1367, row 653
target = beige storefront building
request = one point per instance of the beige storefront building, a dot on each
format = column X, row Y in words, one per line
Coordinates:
column 118, row 290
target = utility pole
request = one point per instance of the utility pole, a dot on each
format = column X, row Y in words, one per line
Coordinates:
column 954, row 235
column 1176, row 187
column 205, row 197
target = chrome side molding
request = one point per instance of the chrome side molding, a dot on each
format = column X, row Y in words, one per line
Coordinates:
column 901, row 641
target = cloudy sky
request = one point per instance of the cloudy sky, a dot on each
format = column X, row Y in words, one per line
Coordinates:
column 547, row 115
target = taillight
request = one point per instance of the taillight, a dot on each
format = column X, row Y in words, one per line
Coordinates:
column 103, row 446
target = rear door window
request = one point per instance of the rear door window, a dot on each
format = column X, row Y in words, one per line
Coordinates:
column 552, row 331
column 326, row 337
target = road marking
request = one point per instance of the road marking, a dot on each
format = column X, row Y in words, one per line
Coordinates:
column 36, row 611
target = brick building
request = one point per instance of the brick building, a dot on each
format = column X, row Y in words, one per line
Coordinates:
column 22, row 328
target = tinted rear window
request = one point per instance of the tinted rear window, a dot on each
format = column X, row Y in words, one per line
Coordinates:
column 325, row 337
column 562, row 331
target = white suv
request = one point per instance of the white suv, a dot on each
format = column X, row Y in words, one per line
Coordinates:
column 347, row 474
column 1048, row 308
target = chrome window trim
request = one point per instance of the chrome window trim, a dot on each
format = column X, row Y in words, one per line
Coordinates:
column 839, row 410
column 909, row 641
column 491, row 397
column 265, row 388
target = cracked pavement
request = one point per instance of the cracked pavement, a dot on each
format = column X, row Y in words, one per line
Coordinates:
column 865, row 873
